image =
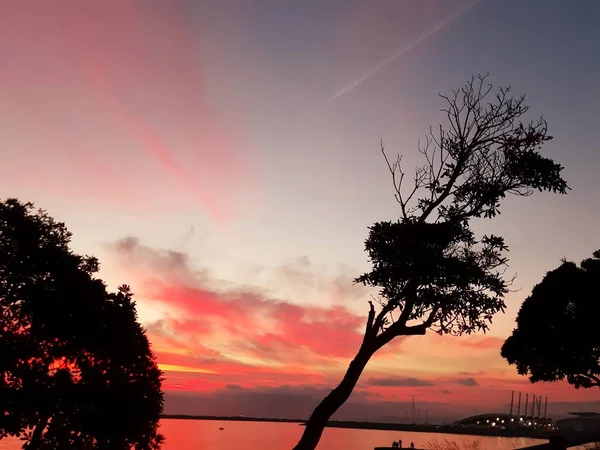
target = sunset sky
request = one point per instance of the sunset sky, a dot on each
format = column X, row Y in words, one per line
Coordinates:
column 222, row 157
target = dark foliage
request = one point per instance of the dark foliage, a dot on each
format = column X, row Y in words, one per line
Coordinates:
column 76, row 369
column 557, row 327
column 431, row 270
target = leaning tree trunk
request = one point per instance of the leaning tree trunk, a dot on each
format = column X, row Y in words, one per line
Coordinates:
column 36, row 436
column 336, row 398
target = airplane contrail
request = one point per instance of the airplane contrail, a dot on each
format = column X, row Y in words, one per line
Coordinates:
column 383, row 63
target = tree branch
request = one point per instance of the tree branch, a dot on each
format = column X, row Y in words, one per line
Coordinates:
column 594, row 377
column 391, row 305
column 422, row 327
column 370, row 322
column 397, row 183
column 400, row 329
column 407, row 311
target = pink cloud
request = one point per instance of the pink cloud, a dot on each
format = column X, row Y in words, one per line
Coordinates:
column 243, row 322
column 115, row 94
column 215, row 334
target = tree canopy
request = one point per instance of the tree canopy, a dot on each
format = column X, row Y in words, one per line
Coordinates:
column 431, row 270
column 76, row 369
column 557, row 327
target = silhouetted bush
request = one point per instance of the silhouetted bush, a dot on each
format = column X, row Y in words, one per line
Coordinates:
column 557, row 327
column 76, row 369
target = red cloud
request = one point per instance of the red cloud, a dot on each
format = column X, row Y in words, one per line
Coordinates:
column 214, row 335
column 331, row 332
column 210, row 329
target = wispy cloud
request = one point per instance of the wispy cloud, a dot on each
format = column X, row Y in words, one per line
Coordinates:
column 131, row 120
column 400, row 382
column 405, row 49
column 298, row 402
column 468, row 381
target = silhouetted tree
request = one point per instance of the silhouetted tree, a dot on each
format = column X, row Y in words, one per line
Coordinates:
column 76, row 369
column 557, row 327
column 431, row 270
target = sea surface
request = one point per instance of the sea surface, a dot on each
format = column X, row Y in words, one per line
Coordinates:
column 205, row 435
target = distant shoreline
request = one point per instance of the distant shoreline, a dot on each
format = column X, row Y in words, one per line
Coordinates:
column 445, row 429
column 229, row 418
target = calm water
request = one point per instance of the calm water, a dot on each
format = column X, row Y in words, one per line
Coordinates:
column 205, row 435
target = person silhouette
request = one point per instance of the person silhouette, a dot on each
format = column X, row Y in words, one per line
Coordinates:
column 412, row 445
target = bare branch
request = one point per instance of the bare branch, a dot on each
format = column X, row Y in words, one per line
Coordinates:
column 370, row 319
column 396, row 168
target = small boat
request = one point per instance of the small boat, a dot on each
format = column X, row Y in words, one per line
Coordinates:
column 221, row 428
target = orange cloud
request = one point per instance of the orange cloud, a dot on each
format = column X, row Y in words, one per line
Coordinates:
column 173, row 368
column 480, row 342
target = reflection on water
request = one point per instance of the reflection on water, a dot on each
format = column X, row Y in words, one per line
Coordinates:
column 205, row 435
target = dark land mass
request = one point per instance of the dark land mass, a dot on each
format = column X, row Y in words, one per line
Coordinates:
column 448, row 429
column 229, row 418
